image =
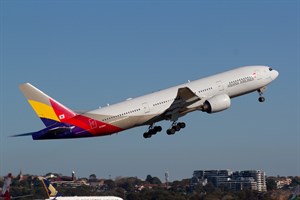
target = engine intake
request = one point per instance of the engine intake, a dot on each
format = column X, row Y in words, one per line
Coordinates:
column 217, row 104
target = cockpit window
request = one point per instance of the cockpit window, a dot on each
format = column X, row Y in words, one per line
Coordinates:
column 270, row 69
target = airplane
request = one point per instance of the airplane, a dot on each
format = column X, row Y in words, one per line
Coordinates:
column 5, row 194
column 53, row 194
column 210, row 94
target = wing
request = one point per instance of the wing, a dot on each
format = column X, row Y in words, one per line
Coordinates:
column 187, row 95
column 185, row 98
column 181, row 105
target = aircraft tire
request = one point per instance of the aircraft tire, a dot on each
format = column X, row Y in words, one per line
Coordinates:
column 152, row 132
column 168, row 132
column 171, row 131
column 158, row 129
column 182, row 125
column 147, row 135
column 176, row 128
column 261, row 99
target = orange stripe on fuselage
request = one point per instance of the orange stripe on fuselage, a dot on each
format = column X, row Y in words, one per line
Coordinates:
column 95, row 127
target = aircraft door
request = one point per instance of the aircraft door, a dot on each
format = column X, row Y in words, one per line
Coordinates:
column 220, row 86
column 93, row 124
column 146, row 107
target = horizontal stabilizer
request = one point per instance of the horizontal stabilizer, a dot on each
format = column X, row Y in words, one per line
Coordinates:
column 23, row 135
column 58, row 130
column 47, row 133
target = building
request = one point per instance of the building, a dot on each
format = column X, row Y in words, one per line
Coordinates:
column 258, row 175
column 281, row 181
column 236, row 181
column 239, row 184
column 212, row 176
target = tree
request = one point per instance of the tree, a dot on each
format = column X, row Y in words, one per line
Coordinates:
column 153, row 180
column 295, row 181
column 271, row 184
column 127, row 186
column 38, row 190
column 149, row 178
column 209, row 188
column 92, row 177
column 247, row 194
column 134, row 196
column 110, row 184
column 120, row 192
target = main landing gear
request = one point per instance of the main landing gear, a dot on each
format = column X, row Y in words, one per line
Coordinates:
column 152, row 131
column 260, row 92
column 176, row 127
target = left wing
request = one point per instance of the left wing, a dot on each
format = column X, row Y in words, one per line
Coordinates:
column 185, row 97
column 181, row 105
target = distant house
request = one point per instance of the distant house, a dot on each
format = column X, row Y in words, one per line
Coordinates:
column 97, row 182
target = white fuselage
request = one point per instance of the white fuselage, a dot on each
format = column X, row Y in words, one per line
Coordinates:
column 234, row 83
column 210, row 94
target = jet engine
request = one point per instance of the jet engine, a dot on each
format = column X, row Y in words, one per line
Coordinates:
column 217, row 103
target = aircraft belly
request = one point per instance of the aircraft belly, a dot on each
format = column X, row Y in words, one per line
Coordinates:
column 123, row 122
column 243, row 89
column 132, row 121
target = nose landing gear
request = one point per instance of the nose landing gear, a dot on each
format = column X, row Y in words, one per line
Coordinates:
column 261, row 92
column 261, row 99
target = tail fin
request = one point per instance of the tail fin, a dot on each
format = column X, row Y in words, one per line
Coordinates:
column 6, row 184
column 51, row 191
column 49, row 110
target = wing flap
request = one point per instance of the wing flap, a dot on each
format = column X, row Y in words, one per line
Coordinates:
column 185, row 97
column 186, row 94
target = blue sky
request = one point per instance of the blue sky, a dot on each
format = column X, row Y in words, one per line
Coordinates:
column 86, row 54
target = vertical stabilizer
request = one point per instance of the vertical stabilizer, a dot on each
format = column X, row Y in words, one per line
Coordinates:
column 51, row 191
column 49, row 110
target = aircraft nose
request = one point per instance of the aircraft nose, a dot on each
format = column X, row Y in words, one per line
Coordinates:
column 275, row 74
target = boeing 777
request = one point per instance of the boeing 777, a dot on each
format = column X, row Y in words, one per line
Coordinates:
column 210, row 94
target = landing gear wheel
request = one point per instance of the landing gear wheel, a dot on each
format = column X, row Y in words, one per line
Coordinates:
column 147, row 135
column 176, row 128
column 157, row 129
column 152, row 131
column 171, row 131
column 181, row 125
column 261, row 92
column 261, row 99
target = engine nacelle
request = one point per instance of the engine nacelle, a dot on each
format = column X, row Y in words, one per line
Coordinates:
column 217, row 103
